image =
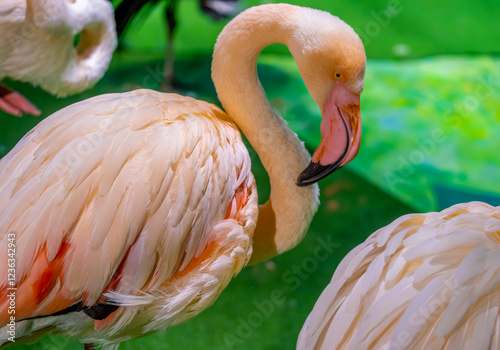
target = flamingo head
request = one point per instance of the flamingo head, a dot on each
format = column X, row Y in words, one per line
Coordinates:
column 331, row 60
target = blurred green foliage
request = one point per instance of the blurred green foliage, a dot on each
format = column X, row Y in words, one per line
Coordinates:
column 389, row 28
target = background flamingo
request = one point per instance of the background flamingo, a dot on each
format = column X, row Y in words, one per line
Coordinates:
column 426, row 281
column 133, row 211
column 127, row 10
column 37, row 46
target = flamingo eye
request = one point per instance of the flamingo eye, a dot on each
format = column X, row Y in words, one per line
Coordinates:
column 337, row 75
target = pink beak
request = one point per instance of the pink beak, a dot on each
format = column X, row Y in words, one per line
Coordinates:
column 340, row 136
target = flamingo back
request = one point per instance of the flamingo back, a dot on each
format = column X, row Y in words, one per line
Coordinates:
column 426, row 281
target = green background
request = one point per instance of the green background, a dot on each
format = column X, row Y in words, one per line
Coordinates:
column 430, row 111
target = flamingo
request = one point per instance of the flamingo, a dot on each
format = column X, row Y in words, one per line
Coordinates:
column 37, row 46
column 425, row 281
column 131, row 212
column 128, row 9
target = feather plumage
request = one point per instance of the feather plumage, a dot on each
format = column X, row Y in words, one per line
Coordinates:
column 145, row 192
column 426, row 281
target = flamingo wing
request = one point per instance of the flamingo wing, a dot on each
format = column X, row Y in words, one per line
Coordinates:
column 116, row 193
column 426, row 281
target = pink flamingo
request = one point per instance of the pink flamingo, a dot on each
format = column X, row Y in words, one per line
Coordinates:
column 425, row 281
column 132, row 212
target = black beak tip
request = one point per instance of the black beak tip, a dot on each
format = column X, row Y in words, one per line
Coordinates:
column 315, row 172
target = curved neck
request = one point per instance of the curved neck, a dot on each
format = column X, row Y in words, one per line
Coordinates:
column 285, row 218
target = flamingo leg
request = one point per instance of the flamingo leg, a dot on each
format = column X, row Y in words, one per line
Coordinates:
column 14, row 103
column 168, row 70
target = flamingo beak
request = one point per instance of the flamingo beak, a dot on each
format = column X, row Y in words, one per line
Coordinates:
column 340, row 136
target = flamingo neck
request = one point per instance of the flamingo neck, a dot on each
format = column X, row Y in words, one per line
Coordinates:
column 285, row 218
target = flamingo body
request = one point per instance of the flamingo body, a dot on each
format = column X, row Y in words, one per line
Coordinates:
column 426, row 281
column 159, row 194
